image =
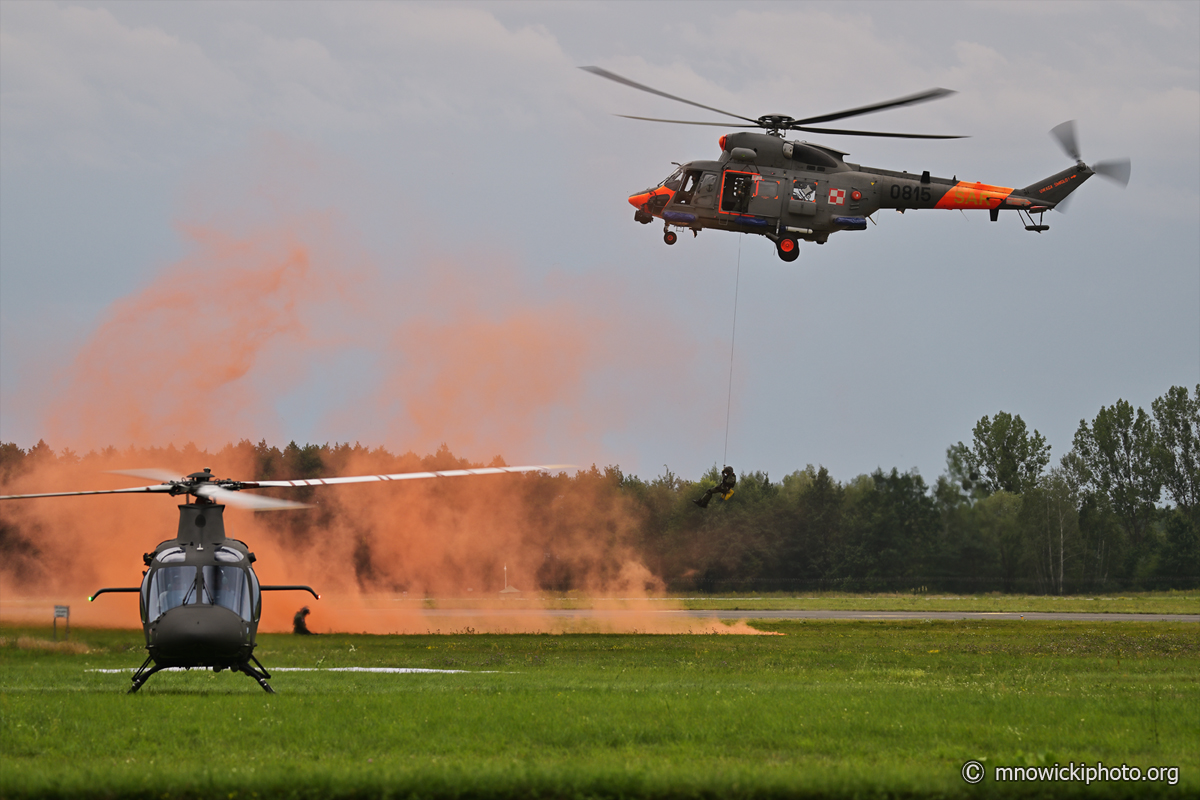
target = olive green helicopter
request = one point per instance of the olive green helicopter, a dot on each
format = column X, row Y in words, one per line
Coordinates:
column 200, row 598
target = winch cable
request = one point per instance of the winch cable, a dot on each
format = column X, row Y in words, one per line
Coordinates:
column 732, row 341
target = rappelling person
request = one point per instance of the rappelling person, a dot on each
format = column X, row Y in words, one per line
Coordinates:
column 724, row 488
column 299, row 624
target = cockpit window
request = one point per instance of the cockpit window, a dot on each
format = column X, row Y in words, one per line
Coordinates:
column 171, row 554
column 228, row 555
column 674, row 180
column 169, row 587
column 227, row 587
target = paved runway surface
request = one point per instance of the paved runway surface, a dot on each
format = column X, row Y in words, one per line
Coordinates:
column 1033, row 616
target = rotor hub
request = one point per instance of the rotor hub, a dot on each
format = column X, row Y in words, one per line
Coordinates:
column 774, row 123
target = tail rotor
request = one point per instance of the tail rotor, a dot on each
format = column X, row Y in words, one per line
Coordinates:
column 1116, row 170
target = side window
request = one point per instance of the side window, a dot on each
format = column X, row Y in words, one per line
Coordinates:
column 255, row 596
column 766, row 190
column 706, row 192
column 687, row 191
column 805, row 190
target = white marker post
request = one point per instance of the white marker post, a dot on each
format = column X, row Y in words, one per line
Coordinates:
column 62, row 612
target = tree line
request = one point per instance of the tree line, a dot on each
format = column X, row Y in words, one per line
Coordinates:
column 1119, row 511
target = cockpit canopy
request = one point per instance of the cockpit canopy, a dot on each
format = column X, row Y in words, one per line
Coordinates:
column 234, row 588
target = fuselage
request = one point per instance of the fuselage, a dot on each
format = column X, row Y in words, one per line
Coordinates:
column 780, row 189
column 200, row 598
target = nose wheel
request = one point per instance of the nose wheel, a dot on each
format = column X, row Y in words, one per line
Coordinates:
column 670, row 237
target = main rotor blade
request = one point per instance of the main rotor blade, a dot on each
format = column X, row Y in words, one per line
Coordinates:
column 907, row 100
column 689, row 122
column 612, row 76
column 254, row 502
column 134, row 490
column 1116, row 170
column 407, row 476
column 149, row 474
column 1065, row 134
column 874, row 133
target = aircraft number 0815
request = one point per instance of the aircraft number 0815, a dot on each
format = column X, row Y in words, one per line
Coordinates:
column 910, row 192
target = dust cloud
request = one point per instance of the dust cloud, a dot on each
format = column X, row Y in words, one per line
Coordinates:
column 466, row 354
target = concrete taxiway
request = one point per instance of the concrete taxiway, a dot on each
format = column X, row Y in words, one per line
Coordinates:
column 877, row 616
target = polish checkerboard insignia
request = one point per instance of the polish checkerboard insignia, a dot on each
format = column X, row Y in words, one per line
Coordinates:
column 837, row 197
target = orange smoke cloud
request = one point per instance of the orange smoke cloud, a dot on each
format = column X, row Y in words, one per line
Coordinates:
column 468, row 355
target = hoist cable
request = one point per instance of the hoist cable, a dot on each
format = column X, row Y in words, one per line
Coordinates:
column 732, row 341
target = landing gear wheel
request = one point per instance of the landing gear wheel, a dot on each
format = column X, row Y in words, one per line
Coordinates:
column 788, row 249
column 670, row 237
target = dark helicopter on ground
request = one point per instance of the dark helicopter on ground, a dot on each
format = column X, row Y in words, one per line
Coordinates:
column 200, row 598
column 793, row 191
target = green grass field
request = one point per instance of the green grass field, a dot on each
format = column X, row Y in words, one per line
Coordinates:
column 834, row 709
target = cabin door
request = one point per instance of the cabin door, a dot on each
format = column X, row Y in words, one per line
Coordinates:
column 765, row 197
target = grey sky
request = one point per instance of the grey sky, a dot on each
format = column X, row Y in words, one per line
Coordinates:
column 465, row 132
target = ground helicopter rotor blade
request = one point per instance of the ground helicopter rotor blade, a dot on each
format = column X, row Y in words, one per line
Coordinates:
column 253, row 502
column 907, row 100
column 134, row 490
column 1117, row 170
column 689, row 122
column 839, row 132
column 612, row 76
column 1065, row 134
column 165, row 476
column 405, row 476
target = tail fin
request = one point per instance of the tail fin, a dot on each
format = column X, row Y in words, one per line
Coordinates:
column 1053, row 190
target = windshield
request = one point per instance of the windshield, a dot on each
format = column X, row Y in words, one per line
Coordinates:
column 674, row 180
column 228, row 587
column 169, row 587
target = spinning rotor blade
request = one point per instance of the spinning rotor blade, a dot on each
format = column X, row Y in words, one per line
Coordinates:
column 689, row 122
column 253, row 502
column 785, row 123
column 612, row 76
column 407, row 476
column 907, row 100
column 226, row 492
column 1065, row 134
column 136, row 489
column 1116, row 170
column 796, row 127
column 149, row 474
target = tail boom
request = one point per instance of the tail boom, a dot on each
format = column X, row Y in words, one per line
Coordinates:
column 1051, row 191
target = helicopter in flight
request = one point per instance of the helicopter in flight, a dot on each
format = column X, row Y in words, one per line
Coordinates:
column 200, row 598
column 793, row 191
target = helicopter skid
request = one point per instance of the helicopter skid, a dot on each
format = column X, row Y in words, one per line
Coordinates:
column 261, row 675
